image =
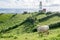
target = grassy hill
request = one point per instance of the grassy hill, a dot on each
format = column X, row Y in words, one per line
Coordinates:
column 21, row 26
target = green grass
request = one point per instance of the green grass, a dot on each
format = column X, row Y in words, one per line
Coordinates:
column 51, row 21
column 54, row 34
column 41, row 16
column 17, row 33
column 14, row 21
column 5, row 17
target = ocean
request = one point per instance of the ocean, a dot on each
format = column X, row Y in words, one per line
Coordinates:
column 13, row 10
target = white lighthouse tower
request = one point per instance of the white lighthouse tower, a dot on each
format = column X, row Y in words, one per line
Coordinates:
column 41, row 9
column 40, row 6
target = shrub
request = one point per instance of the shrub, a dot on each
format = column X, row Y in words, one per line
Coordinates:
column 48, row 13
column 56, row 25
column 25, row 12
column 1, row 13
column 31, row 19
column 57, row 14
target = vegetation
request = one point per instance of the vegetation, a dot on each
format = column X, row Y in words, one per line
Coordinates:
column 22, row 27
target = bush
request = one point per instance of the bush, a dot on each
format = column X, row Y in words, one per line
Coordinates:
column 48, row 13
column 31, row 19
column 25, row 12
column 13, row 15
column 56, row 25
column 57, row 13
column 1, row 13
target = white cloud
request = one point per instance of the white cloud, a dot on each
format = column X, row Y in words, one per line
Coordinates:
column 55, row 2
column 18, row 4
column 48, row 4
column 7, row 4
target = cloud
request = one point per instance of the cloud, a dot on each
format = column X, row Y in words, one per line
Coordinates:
column 7, row 4
column 48, row 4
column 18, row 3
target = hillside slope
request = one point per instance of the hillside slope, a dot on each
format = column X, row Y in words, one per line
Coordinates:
column 24, row 24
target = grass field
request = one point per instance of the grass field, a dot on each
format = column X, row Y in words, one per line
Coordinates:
column 16, row 27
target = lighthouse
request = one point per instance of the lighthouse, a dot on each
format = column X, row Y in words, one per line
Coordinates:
column 41, row 9
column 40, row 6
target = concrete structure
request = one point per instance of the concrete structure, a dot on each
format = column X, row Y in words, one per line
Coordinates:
column 40, row 6
column 41, row 9
column 44, row 10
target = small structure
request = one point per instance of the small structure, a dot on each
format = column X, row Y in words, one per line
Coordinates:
column 41, row 9
column 44, row 10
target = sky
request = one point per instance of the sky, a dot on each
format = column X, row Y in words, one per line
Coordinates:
column 53, row 5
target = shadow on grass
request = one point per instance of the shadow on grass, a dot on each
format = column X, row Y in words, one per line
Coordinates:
column 1, row 22
column 1, row 13
column 51, row 26
column 48, row 17
column 39, row 14
column 13, row 16
column 28, row 23
column 54, row 26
